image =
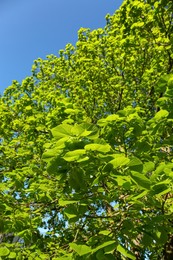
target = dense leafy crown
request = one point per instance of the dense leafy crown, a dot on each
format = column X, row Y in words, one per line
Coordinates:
column 86, row 145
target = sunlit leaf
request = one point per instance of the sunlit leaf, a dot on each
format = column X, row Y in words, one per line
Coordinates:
column 125, row 252
column 119, row 161
column 74, row 155
column 80, row 249
column 60, row 131
column 4, row 251
column 104, row 148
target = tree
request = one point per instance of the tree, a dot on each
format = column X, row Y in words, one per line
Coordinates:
column 86, row 145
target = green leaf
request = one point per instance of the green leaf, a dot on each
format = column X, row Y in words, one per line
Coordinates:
column 71, row 212
column 75, row 155
column 111, row 118
column 105, row 244
column 105, row 232
column 140, row 179
column 12, row 255
column 160, row 189
column 135, row 164
column 148, row 167
column 77, row 130
column 103, row 148
column 51, row 153
column 62, row 202
column 161, row 114
column 66, row 257
column 162, row 83
column 4, row 251
column 60, row 131
column 160, row 235
column 80, row 249
column 60, row 144
column 119, row 161
column 125, row 252
column 159, row 170
column 147, row 240
column 139, row 196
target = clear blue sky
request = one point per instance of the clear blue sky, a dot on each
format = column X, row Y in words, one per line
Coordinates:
column 35, row 28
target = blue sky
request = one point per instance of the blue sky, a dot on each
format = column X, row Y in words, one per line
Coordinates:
column 35, row 28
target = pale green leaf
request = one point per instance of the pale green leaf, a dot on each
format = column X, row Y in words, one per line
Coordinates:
column 161, row 114
column 60, row 131
column 105, row 232
column 62, row 202
column 125, row 252
column 12, row 255
column 148, row 167
column 105, row 244
column 103, row 148
column 4, row 251
column 119, row 161
column 80, row 249
column 74, row 155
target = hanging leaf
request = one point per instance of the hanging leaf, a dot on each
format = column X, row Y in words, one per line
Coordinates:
column 125, row 252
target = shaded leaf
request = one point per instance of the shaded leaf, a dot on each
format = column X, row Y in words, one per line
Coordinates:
column 105, row 244
column 135, row 164
column 140, row 179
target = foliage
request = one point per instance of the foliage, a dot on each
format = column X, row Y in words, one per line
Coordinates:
column 86, row 145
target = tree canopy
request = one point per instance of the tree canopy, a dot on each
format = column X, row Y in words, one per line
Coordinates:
column 86, row 145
